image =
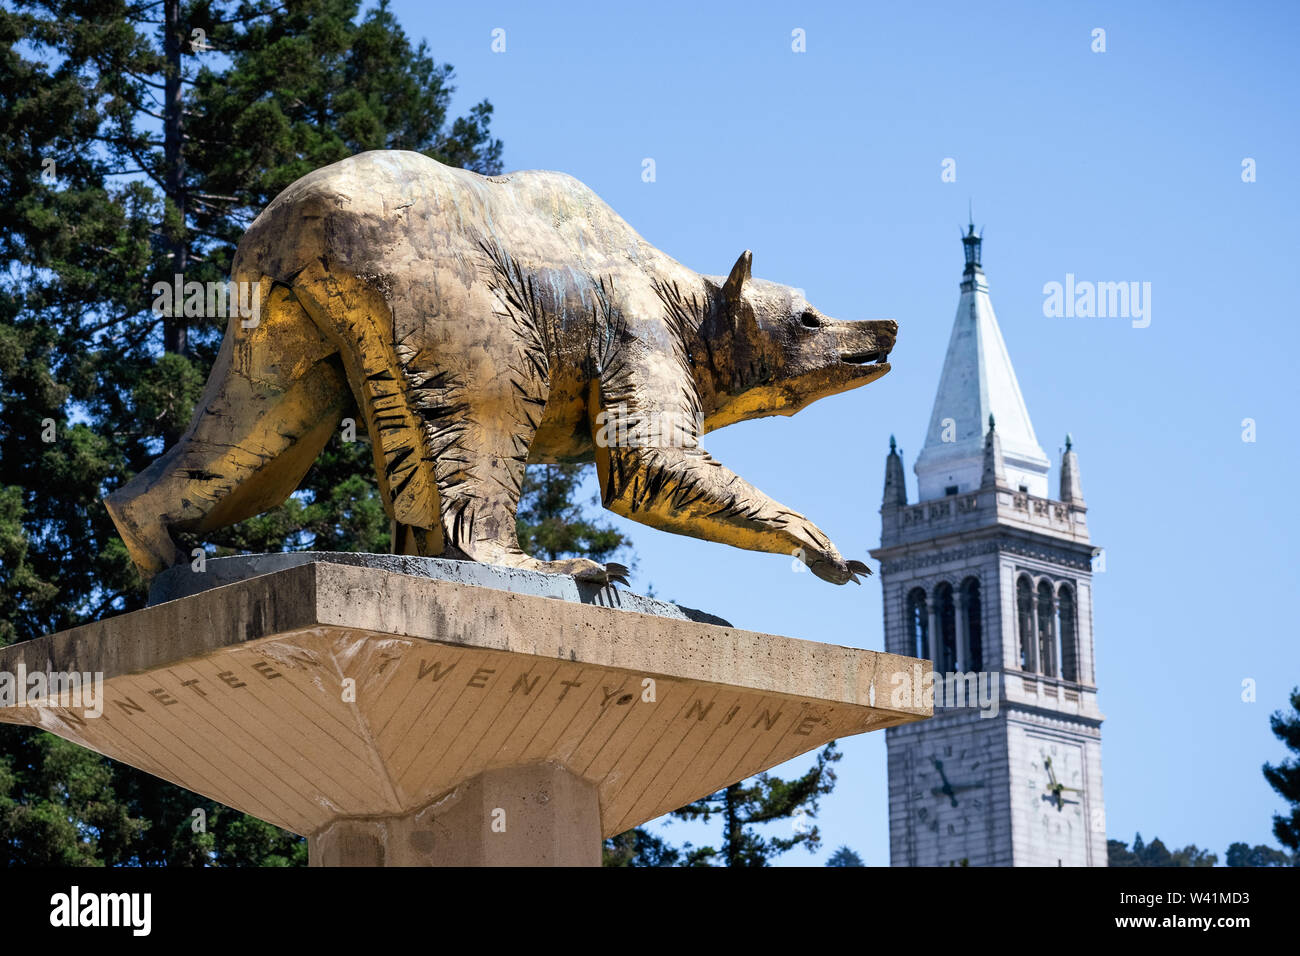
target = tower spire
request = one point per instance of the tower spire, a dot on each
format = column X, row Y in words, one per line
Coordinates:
column 1071, row 487
column 895, row 481
column 978, row 380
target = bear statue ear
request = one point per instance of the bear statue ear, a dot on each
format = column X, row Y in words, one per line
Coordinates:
column 739, row 276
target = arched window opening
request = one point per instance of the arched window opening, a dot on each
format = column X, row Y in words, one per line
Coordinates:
column 1025, row 614
column 1070, row 662
column 946, row 613
column 1046, row 630
column 973, row 611
column 918, row 624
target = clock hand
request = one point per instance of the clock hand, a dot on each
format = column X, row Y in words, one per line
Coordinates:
column 945, row 791
column 950, row 790
column 938, row 765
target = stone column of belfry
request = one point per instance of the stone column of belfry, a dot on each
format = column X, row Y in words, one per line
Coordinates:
column 963, row 651
column 1053, row 667
column 1035, row 635
column 935, row 635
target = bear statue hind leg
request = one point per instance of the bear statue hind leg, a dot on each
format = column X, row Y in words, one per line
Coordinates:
column 273, row 399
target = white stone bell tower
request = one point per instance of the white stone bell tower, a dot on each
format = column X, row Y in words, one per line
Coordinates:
column 991, row 579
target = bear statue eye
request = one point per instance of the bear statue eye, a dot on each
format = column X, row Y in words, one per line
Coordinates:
column 809, row 321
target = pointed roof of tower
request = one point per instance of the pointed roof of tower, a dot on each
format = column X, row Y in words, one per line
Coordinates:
column 1071, row 487
column 895, row 479
column 978, row 381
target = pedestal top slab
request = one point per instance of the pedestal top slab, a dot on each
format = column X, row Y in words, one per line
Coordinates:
column 325, row 690
column 181, row 581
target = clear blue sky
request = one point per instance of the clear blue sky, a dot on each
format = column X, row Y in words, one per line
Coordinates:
column 1115, row 166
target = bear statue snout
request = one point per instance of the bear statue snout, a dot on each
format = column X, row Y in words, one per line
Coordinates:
column 865, row 342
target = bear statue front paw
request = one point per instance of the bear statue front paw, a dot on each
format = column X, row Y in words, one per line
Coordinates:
column 822, row 557
column 608, row 574
column 837, row 570
column 587, row 570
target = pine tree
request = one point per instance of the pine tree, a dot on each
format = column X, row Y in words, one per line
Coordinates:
column 845, row 857
column 639, row 847
column 741, row 806
column 131, row 150
column 1285, row 777
column 759, row 800
column 1243, row 854
column 552, row 521
column 1156, row 853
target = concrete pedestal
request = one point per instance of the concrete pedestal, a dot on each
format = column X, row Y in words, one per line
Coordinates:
column 537, row 815
column 401, row 720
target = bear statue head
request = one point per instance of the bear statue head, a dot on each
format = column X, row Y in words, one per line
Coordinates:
column 762, row 349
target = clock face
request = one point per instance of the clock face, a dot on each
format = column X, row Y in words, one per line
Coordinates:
column 950, row 796
column 1056, row 802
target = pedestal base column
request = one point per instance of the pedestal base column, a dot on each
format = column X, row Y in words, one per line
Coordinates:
column 539, row 815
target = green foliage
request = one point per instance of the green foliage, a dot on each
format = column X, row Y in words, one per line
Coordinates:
column 1243, row 854
column 552, row 521
column 94, row 214
column 167, row 391
column 57, row 804
column 1156, row 853
column 762, row 799
column 845, row 857
column 639, row 847
column 1285, row 776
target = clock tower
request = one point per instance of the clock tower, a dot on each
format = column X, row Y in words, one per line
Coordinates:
column 990, row 578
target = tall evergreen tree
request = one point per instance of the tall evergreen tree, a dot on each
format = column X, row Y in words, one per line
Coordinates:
column 1156, row 853
column 639, row 847
column 138, row 140
column 1243, row 854
column 741, row 807
column 553, row 522
column 1285, row 776
column 845, row 857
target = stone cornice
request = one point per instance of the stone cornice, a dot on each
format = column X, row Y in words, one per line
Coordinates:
column 993, row 540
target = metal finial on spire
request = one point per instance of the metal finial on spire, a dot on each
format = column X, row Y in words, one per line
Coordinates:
column 1069, row 442
column 971, row 246
column 892, row 444
column 990, row 421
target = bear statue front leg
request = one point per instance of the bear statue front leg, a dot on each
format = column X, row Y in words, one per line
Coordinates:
column 686, row 491
column 646, row 421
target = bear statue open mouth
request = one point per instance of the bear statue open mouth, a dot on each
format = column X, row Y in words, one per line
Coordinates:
column 865, row 358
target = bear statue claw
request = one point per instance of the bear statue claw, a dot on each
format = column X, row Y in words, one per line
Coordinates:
column 612, row 573
column 856, row 568
column 839, row 571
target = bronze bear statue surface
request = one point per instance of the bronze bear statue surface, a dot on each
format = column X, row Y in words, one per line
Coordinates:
column 478, row 323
